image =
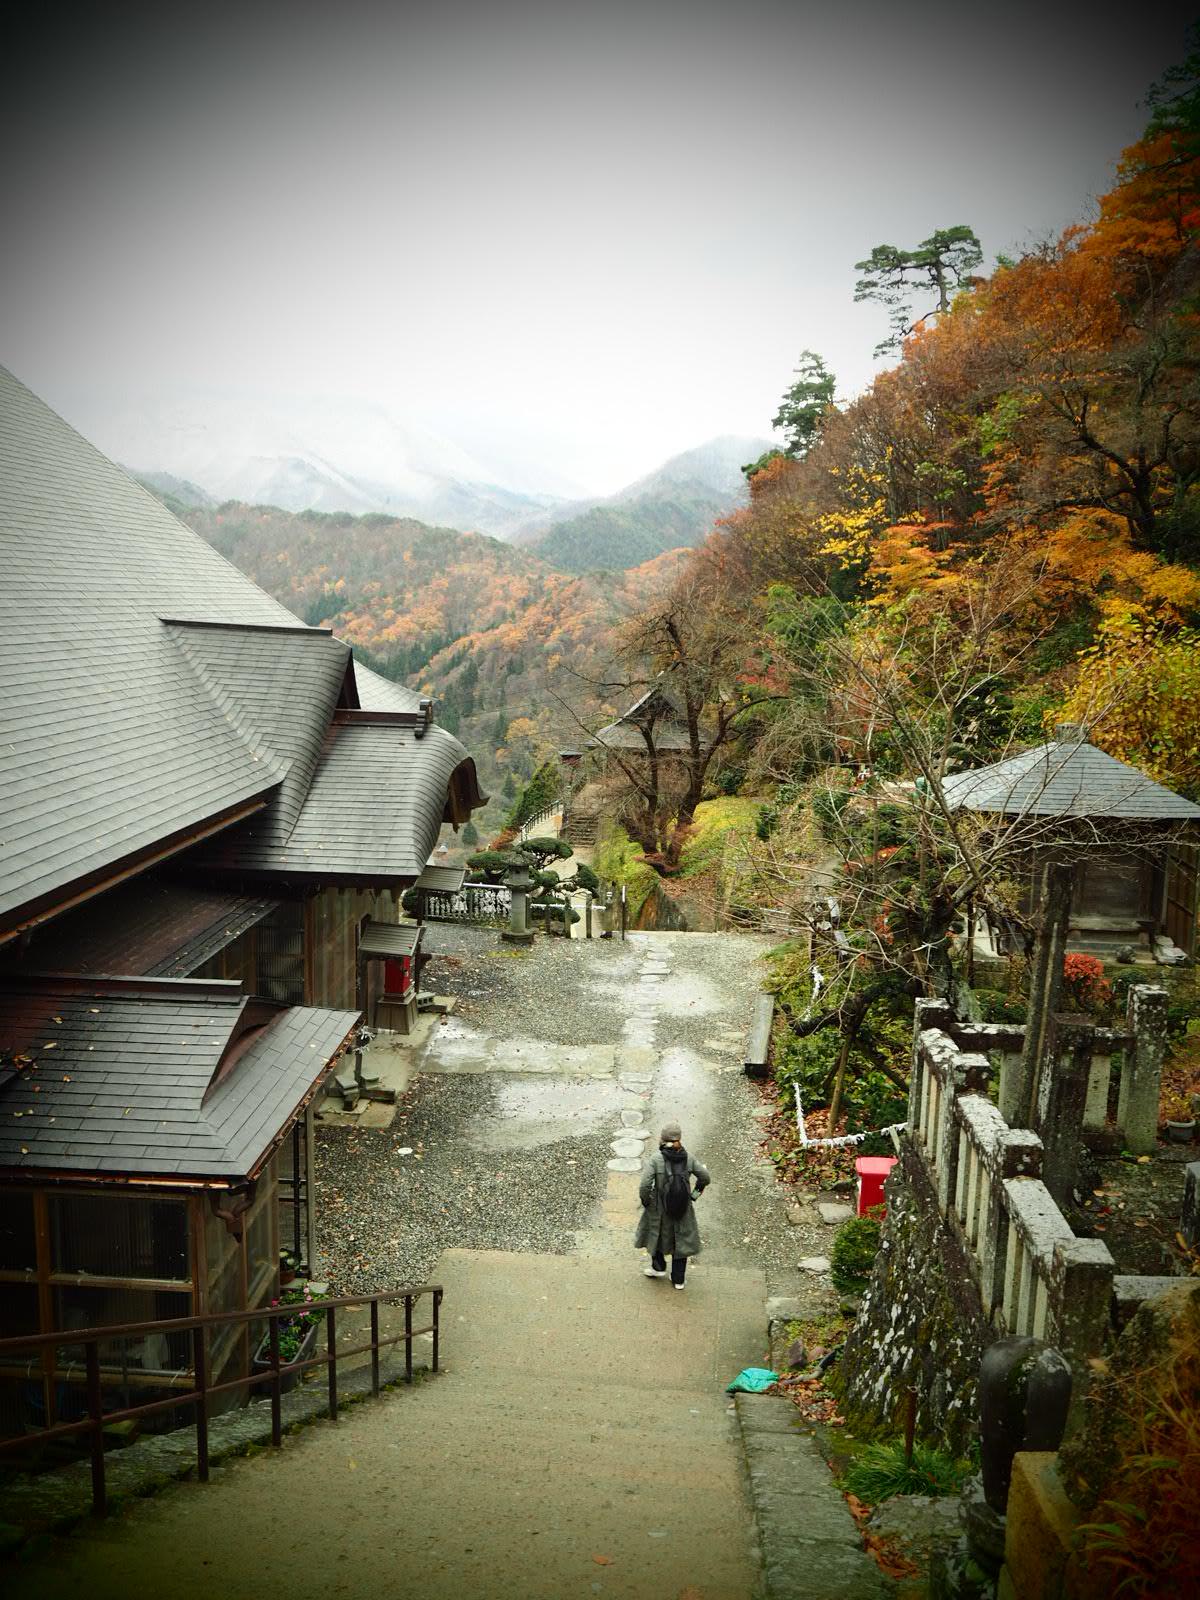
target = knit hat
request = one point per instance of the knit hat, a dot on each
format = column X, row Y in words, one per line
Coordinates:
column 670, row 1130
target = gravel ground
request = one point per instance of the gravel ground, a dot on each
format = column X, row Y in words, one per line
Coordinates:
column 386, row 1217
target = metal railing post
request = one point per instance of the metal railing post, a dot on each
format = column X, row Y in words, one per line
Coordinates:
column 375, row 1347
column 200, row 1357
column 331, row 1351
column 276, row 1388
column 408, row 1360
column 96, row 1412
column 437, row 1306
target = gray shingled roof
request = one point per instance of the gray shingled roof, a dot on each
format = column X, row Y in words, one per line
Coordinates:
column 124, row 735
column 119, row 1075
column 445, row 880
column 147, row 927
column 373, row 810
column 623, row 735
column 279, row 686
column 1067, row 778
column 656, row 709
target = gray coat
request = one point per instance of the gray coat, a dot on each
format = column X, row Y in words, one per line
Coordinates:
column 656, row 1230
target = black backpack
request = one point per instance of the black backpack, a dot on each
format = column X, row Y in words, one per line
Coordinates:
column 676, row 1193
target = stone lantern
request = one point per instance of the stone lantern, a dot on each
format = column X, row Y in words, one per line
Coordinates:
column 519, row 881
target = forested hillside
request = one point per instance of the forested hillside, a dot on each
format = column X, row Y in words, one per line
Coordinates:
column 674, row 506
column 490, row 630
column 1002, row 532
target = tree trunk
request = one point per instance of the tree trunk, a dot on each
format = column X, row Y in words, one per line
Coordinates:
column 854, row 1021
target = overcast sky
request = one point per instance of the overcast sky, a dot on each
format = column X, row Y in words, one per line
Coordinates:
column 575, row 238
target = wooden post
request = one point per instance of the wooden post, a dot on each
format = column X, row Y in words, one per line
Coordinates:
column 375, row 1347
column 1019, row 1108
column 331, row 1351
column 200, row 1361
column 95, row 1405
column 276, row 1390
column 310, row 1191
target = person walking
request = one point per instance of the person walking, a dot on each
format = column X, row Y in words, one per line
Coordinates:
column 667, row 1226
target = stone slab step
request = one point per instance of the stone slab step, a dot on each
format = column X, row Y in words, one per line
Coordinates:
column 810, row 1545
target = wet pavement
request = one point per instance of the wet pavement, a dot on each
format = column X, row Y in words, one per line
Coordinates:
column 552, row 1056
column 583, row 1408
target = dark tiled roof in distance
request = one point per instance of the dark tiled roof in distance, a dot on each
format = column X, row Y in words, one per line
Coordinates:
column 1067, row 778
column 624, row 735
column 118, row 1075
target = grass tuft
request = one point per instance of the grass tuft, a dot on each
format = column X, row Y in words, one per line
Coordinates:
column 881, row 1472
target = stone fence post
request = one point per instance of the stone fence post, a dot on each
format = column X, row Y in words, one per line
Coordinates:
column 1080, row 1301
column 1017, row 1154
column 1141, row 1075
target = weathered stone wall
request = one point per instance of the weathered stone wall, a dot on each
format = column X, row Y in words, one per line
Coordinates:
column 666, row 914
column 920, row 1325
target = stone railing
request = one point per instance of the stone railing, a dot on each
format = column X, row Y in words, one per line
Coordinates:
column 1034, row 1275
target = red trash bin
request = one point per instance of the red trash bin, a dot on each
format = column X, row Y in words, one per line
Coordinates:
column 872, row 1171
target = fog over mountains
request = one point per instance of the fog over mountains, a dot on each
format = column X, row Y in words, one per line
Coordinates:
column 307, row 455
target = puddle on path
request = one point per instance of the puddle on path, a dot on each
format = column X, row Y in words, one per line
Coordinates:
column 527, row 1112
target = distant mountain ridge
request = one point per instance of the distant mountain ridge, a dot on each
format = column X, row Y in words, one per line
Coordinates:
column 498, row 637
column 334, row 456
column 673, row 506
column 302, row 455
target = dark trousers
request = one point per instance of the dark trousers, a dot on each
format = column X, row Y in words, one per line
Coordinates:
column 678, row 1265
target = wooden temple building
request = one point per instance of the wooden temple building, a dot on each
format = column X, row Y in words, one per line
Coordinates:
column 1133, row 845
column 208, row 813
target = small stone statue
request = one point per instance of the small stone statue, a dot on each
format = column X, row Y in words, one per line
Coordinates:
column 1024, row 1392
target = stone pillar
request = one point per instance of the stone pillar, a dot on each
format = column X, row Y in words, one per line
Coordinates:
column 1080, row 1301
column 1018, row 1107
column 927, row 1013
column 519, row 883
column 1017, row 1154
column 1189, row 1220
column 1095, row 1113
column 1062, row 1098
column 1141, row 1076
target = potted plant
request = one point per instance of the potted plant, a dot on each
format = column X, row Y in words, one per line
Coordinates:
column 289, row 1266
column 297, row 1336
column 1179, row 1124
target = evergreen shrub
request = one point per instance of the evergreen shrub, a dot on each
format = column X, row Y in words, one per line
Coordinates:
column 855, row 1246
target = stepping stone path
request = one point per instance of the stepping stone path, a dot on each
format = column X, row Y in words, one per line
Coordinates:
column 813, row 1263
column 834, row 1213
column 627, row 1147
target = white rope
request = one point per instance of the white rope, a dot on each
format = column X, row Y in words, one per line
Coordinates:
column 843, row 1138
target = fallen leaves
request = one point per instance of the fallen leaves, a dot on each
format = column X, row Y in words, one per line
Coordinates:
column 883, row 1551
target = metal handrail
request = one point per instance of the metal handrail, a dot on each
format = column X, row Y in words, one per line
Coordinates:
column 536, row 821
column 98, row 1419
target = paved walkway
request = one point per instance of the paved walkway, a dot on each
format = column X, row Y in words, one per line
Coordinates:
column 580, row 1441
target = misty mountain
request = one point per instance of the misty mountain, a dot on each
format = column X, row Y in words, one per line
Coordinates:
column 673, row 506
column 300, row 455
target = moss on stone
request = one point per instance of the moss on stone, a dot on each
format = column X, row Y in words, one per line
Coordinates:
column 920, row 1326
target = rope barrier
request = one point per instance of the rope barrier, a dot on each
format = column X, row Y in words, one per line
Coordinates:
column 842, row 1138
